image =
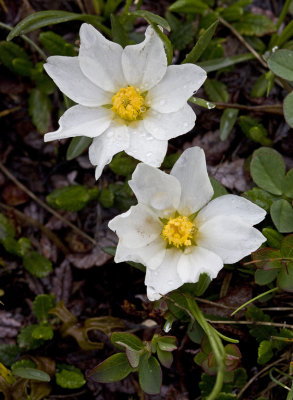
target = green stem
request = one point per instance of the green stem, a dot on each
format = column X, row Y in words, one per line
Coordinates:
column 252, row 300
column 283, row 13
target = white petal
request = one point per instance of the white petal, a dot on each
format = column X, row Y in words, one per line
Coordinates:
column 165, row 277
column 66, row 73
column 81, row 121
column 229, row 237
column 103, row 148
column 165, row 126
column 191, row 171
column 145, row 64
column 137, row 227
column 199, row 261
column 100, row 59
column 232, row 206
column 151, row 255
column 144, row 147
column 155, row 188
column 176, row 87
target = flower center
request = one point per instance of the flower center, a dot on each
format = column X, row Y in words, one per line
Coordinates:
column 128, row 104
column 179, row 232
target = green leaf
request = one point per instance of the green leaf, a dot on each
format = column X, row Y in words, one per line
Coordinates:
column 43, row 82
column 232, row 13
column 37, row 265
column 71, row 198
column 189, row 6
column 274, row 238
column 282, row 215
column 265, row 352
column 150, row 375
column 260, row 197
column 42, row 304
column 77, row 146
column 26, row 340
column 40, row 110
column 227, row 122
column 220, row 63
column 285, row 278
column 254, row 130
column 44, row 332
column 260, row 87
column 287, row 247
column 119, row 34
column 267, row 169
column 254, row 25
column 126, row 340
column 167, row 343
column 267, row 258
column 182, row 32
column 32, row 373
column 201, row 102
column 6, row 228
column 216, row 90
column 133, row 357
column 281, row 63
column 69, row 377
column 40, row 19
column 198, row 288
column 288, row 108
column 9, row 353
column 113, row 369
column 24, row 363
column 55, row 44
column 122, row 164
column 152, row 18
column 15, row 58
column 195, row 332
column 166, row 42
column 165, row 357
column 170, row 160
column 201, row 44
column 264, row 277
column 106, row 198
column 288, row 184
column 285, row 35
column 260, row 332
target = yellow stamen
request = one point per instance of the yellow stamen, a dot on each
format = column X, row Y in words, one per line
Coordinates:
column 128, row 104
column 179, row 232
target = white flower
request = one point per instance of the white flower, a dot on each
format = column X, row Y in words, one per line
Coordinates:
column 128, row 99
column 175, row 233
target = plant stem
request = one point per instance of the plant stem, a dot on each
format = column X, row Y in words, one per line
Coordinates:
column 255, row 298
column 28, row 40
column 283, row 13
column 271, row 109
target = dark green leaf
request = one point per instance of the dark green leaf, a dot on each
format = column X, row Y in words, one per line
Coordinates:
column 274, row 238
column 189, row 6
column 267, row 169
column 254, row 130
column 195, row 332
column 6, row 228
column 150, row 375
column 77, row 146
column 106, row 198
column 281, row 63
column 285, row 278
column 122, row 164
column 44, row 18
column 260, row 197
column 260, row 87
column 288, row 108
column 288, row 184
column 219, row 63
column 182, row 32
column 264, row 277
column 42, row 304
column 227, row 122
column 254, row 25
column 40, row 110
column 72, row 197
column 113, row 369
column 165, row 357
column 166, row 42
column 282, row 215
column 285, row 35
column 287, row 247
column 44, row 332
column 24, row 363
column 265, row 352
column 43, row 82
column 15, row 58
column 216, row 90
column 56, row 45
column 32, row 373
column 26, row 340
column 126, row 340
column 37, row 265
column 201, row 44
column 119, row 34
column 70, row 377
column 152, row 18
column 9, row 353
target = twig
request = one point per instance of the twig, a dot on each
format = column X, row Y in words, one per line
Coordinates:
column 44, row 205
column 271, row 109
column 258, row 374
column 214, row 304
column 264, row 323
column 31, row 221
column 9, row 111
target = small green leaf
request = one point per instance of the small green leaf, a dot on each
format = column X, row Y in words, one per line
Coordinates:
column 265, row 352
column 119, row 34
column 113, row 369
column 32, row 373
column 44, row 18
column 281, row 63
column 37, row 265
column 24, row 363
column 42, row 304
column 195, row 332
column 189, row 6
column 227, row 122
column 166, row 42
column 254, row 130
column 182, row 32
column 267, row 169
column 56, row 45
column 6, row 228
column 71, row 198
column 264, row 277
column 69, row 377
column 260, row 87
column 77, row 146
column 40, row 110
column 152, row 18
column 44, row 332
column 274, row 238
column 285, row 278
column 282, row 215
column 288, row 108
column 287, row 247
column 286, row 34
column 201, row 44
column 150, row 375
column 260, row 197
column 106, row 198
column 254, row 25
column 15, row 58
column 165, row 357
column 126, row 340
column 201, row 102
column 216, row 90
column 133, row 357
column 9, row 353
column 167, row 343
column 122, row 164
column 220, row 63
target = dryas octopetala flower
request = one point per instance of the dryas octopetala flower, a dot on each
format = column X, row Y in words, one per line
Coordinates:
column 129, row 99
column 177, row 232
